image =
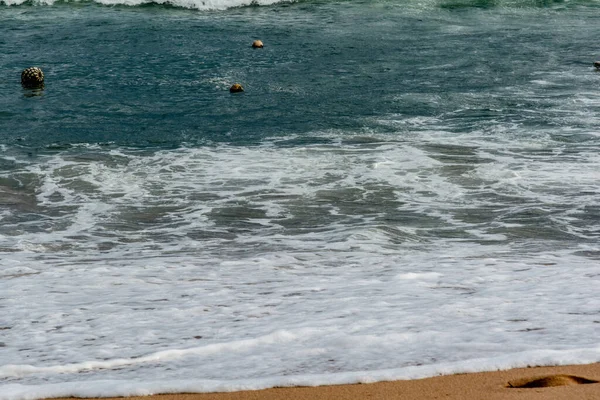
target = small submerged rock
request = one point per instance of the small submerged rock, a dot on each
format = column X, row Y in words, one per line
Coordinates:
column 32, row 78
column 236, row 88
column 597, row 65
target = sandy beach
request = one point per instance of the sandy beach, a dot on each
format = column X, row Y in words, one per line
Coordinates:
column 579, row 382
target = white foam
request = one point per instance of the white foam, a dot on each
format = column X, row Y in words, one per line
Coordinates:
column 192, row 4
column 7, row 371
column 116, row 388
column 144, row 272
column 419, row 276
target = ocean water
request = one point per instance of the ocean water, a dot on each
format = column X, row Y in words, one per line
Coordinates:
column 404, row 189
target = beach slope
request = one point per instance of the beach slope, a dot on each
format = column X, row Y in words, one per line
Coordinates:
column 581, row 382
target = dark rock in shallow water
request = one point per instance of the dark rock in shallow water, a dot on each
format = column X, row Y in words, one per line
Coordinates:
column 597, row 65
column 32, row 78
column 236, row 88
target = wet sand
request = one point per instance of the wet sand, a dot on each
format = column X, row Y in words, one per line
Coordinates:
column 576, row 382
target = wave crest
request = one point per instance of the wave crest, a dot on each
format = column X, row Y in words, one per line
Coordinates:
column 191, row 4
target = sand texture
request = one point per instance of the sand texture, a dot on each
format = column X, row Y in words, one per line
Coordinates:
column 577, row 382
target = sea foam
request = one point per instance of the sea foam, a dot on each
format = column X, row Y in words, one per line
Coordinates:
column 153, row 271
column 117, row 388
column 226, row 4
column 192, row 4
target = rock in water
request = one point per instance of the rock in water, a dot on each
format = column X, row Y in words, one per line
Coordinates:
column 32, row 78
column 597, row 65
column 236, row 88
column 257, row 44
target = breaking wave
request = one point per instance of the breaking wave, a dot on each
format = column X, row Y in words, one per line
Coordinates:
column 191, row 4
column 208, row 5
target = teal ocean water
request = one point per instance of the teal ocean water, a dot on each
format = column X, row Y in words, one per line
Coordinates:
column 404, row 189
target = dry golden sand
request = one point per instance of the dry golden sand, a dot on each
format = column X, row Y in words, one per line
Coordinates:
column 576, row 382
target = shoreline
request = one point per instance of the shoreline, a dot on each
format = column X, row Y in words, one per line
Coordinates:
column 579, row 382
